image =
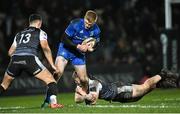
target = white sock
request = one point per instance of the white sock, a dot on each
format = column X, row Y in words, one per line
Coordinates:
column 53, row 99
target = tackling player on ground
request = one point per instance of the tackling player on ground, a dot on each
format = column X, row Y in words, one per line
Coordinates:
column 24, row 57
column 120, row 92
column 74, row 46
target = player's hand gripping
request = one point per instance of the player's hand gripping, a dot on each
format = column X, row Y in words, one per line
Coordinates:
column 82, row 47
column 54, row 68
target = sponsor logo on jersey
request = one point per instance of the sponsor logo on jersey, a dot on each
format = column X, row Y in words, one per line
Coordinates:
column 20, row 62
column 91, row 33
column 81, row 31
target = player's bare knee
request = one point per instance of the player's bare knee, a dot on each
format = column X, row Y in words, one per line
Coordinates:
column 4, row 86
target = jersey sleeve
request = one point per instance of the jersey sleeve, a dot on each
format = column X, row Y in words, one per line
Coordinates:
column 97, row 34
column 94, row 86
column 70, row 30
column 43, row 35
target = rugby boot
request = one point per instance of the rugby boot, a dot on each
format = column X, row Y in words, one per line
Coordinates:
column 53, row 106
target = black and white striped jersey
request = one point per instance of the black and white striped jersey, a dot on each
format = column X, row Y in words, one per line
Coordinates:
column 27, row 41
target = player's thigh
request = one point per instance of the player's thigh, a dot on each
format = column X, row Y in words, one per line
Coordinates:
column 15, row 66
column 45, row 76
column 13, row 70
column 37, row 69
column 61, row 63
column 33, row 66
column 6, row 81
column 79, row 64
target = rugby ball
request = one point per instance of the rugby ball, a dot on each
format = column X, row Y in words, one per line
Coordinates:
column 90, row 42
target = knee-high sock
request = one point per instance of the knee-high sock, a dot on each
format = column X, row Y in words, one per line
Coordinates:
column 51, row 92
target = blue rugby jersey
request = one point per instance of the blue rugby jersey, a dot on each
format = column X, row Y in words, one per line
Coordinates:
column 77, row 31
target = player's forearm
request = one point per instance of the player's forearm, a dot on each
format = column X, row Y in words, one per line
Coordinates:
column 48, row 55
column 66, row 40
column 80, row 91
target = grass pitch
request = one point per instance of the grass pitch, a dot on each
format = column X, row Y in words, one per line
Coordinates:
column 158, row 101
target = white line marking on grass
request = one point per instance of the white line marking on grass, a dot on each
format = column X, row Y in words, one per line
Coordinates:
column 167, row 99
column 16, row 107
column 131, row 106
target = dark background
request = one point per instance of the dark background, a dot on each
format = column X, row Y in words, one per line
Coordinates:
column 130, row 33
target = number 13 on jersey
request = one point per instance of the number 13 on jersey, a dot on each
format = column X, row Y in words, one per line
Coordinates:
column 25, row 38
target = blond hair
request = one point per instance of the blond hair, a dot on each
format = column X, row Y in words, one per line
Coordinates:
column 91, row 16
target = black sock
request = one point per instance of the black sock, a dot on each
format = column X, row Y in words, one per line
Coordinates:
column 47, row 99
column 1, row 89
column 52, row 90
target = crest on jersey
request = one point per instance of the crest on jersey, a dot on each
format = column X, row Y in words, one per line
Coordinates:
column 81, row 31
column 91, row 33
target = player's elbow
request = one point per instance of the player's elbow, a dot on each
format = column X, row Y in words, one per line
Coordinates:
column 9, row 54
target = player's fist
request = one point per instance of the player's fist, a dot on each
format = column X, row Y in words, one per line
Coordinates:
column 90, row 42
column 82, row 47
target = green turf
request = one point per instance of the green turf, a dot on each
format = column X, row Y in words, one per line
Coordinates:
column 157, row 101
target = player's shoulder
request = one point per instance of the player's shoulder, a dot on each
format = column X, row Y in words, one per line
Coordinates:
column 76, row 21
column 43, row 32
column 96, row 29
column 32, row 30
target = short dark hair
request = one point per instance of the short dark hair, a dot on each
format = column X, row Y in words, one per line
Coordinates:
column 34, row 17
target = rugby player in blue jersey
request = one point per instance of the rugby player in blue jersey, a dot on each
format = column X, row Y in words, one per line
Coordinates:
column 71, row 49
column 121, row 92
